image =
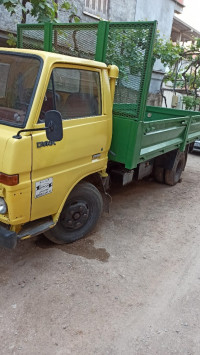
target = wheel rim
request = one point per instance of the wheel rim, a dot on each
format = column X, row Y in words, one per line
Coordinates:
column 75, row 215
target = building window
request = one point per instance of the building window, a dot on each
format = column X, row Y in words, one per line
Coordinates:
column 97, row 7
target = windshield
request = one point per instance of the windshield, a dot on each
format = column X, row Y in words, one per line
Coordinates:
column 18, row 76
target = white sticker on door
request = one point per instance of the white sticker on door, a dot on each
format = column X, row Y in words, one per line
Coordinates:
column 43, row 187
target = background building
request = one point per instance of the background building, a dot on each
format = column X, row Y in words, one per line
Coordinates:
column 114, row 10
column 184, row 33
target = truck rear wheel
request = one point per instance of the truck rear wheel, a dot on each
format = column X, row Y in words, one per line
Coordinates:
column 173, row 176
column 159, row 174
column 191, row 147
column 79, row 216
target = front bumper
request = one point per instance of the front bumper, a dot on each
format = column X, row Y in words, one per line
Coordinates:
column 8, row 239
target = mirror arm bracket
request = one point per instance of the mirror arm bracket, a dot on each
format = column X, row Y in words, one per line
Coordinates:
column 18, row 135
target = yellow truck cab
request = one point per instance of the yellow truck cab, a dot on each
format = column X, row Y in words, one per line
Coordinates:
column 55, row 133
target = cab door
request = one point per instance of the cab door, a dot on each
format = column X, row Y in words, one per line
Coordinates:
column 57, row 166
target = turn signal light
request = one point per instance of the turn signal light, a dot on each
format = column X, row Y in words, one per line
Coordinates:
column 9, row 180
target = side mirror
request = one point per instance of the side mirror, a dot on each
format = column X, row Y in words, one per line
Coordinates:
column 53, row 125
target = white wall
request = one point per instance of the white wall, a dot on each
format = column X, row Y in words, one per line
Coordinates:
column 123, row 10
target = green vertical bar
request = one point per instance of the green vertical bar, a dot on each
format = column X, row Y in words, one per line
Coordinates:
column 102, row 37
column 48, row 31
column 187, row 130
column 148, row 72
column 134, row 148
column 19, row 37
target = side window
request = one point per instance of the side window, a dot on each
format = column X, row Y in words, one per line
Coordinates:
column 49, row 101
column 4, row 70
column 75, row 93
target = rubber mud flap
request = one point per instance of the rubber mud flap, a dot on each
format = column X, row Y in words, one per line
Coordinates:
column 8, row 239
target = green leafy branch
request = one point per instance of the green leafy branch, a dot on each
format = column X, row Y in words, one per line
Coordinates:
column 182, row 63
column 40, row 10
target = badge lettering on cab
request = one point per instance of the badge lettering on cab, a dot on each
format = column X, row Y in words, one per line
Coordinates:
column 45, row 144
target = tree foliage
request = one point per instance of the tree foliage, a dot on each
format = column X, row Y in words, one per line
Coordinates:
column 182, row 64
column 40, row 10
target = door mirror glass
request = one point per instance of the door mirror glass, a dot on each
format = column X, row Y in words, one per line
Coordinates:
column 53, row 124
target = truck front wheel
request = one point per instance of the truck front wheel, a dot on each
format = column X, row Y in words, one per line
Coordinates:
column 79, row 216
column 172, row 176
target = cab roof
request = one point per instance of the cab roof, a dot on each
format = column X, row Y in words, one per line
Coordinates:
column 55, row 57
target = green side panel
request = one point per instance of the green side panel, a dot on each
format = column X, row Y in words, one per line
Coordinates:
column 194, row 131
column 119, row 146
column 161, row 131
column 153, row 113
column 167, row 129
column 125, row 141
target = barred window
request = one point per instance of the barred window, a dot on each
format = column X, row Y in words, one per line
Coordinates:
column 97, row 7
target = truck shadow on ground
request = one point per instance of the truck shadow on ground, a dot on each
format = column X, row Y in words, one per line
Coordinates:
column 84, row 248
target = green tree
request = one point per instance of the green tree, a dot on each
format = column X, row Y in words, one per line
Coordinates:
column 182, row 64
column 40, row 10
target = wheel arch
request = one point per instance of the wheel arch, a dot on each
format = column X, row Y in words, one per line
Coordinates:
column 168, row 160
column 95, row 178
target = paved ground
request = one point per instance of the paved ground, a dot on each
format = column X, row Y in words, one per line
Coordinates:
column 131, row 287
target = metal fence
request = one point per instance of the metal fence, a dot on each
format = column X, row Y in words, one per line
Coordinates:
column 129, row 45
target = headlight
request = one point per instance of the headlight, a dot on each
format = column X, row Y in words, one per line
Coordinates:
column 3, row 206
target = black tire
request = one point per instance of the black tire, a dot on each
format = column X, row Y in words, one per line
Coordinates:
column 173, row 176
column 191, row 147
column 159, row 174
column 79, row 216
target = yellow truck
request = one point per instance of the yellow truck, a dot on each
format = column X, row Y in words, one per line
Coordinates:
column 40, row 167
column 61, row 137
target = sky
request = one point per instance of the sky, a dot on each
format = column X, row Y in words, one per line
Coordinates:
column 191, row 13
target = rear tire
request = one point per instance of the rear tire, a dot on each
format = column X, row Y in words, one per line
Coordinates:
column 79, row 216
column 173, row 176
column 191, row 147
column 159, row 174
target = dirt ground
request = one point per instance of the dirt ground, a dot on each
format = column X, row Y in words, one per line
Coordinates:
column 131, row 287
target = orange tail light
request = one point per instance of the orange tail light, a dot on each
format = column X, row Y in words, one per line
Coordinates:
column 9, row 180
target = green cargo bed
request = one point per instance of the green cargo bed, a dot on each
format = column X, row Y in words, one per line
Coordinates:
column 162, row 130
